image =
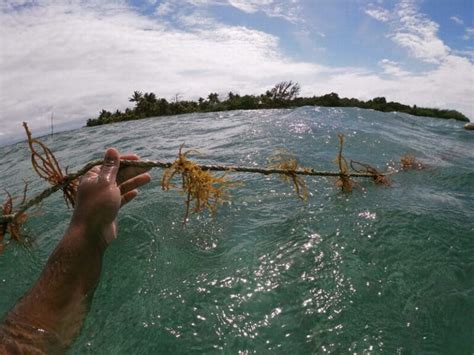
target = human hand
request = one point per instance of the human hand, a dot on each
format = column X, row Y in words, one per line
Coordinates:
column 102, row 191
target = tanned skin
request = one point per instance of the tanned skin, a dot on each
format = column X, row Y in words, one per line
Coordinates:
column 50, row 315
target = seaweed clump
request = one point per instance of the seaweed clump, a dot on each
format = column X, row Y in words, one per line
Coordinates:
column 47, row 167
column 378, row 177
column 344, row 181
column 203, row 190
column 283, row 160
column 409, row 162
column 12, row 227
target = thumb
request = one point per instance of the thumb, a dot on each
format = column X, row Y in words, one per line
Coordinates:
column 108, row 171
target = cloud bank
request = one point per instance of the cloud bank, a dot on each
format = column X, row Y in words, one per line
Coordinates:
column 75, row 58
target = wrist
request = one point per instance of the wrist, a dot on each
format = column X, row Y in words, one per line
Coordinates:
column 91, row 234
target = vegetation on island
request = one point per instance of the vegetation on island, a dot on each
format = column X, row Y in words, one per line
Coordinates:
column 282, row 95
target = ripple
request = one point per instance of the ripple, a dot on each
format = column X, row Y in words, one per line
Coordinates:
column 381, row 270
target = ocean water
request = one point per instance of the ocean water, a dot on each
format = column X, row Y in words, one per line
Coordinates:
column 381, row 270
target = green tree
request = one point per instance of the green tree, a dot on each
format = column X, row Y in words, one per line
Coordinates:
column 213, row 98
column 285, row 91
column 283, row 94
column 136, row 97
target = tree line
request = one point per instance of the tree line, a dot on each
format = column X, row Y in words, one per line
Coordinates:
column 282, row 95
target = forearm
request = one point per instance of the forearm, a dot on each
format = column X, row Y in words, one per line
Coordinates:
column 58, row 301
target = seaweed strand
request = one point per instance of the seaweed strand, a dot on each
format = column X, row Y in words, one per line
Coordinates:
column 47, row 167
column 202, row 189
column 164, row 165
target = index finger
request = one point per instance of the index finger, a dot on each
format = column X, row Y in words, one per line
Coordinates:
column 129, row 172
column 129, row 157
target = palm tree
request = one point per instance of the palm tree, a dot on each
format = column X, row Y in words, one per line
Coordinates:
column 136, row 97
column 150, row 97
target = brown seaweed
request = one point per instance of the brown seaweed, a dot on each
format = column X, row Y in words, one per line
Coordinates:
column 344, row 181
column 379, row 177
column 203, row 190
column 47, row 167
column 285, row 161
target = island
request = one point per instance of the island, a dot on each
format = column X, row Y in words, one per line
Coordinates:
column 282, row 95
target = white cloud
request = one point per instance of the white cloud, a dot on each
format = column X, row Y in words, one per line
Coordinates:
column 195, row 20
column 418, row 34
column 429, row 89
column 468, row 52
column 378, row 13
column 392, row 68
column 164, row 8
column 287, row 10
column 457, row 20
column 249, row 6
column 76, row 59
column 469, row 33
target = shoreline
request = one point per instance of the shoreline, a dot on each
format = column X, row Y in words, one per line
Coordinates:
column 283, row 95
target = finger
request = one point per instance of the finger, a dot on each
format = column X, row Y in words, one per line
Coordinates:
column 95, row 170
column 129, row 157
column 134, row 183
column 129, row 196
column 90, row 174
column 127, row 173
column 110, row 167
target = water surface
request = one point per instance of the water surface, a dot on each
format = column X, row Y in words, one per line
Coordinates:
column 380, row 270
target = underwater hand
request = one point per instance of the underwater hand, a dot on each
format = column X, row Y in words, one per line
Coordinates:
column 101, row 193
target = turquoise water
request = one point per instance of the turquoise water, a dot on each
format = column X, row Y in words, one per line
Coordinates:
column 382, row 270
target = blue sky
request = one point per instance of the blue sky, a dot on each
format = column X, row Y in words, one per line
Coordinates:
column 74, row 58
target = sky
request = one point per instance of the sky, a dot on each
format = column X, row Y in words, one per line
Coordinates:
column 76, row 57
